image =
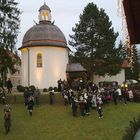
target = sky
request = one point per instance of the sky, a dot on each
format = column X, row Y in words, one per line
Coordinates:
column 65, row 13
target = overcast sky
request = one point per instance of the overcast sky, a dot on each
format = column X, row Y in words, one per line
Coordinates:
column 65, row 13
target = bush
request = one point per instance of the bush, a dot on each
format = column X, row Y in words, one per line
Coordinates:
column 32, row 87
column 50, row 88
column 45, row 90
column 55, row 89
column 132, row 129
column 20, row 88
column 26, row 88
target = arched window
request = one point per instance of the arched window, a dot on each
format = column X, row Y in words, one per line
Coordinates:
column 39, row 60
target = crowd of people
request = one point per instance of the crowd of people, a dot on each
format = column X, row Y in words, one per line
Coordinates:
column 89, row 96
column 79, row 96
column 31, row 97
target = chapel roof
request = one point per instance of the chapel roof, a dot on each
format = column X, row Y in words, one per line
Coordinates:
column 44, row 33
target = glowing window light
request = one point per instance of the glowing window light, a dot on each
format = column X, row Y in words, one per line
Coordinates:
column 39, row 60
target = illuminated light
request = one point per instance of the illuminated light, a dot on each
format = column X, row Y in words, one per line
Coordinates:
column 126, row 85
column 57, row 70
column 44, row 14
column 38, row 74
column 24, row 49
column 126, row 36
column 122, row 85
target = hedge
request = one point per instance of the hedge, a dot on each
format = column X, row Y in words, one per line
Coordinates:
column 44, row 99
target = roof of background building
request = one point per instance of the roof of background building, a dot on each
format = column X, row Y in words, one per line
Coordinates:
column 125, row 64
column 75, row 67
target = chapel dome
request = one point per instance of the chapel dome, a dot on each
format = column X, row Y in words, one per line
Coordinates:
column 44, row 34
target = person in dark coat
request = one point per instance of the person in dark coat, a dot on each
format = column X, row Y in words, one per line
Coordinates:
column 115, row 96
column 87, row 104
column 51, row 95
column 59, row 85
column 74, row 106
column 30, row 105
column 80, row 85
column 82, row 103
column 30, row 92
column 124, row 95
column 1, row 94
column 26, row 96
column 9, row 85
column 7, row 118
column 37, row 96
column 7, row 121
column 65, row 96
column 99, row 109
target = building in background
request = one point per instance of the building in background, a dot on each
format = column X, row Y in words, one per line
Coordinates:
column 44, row 53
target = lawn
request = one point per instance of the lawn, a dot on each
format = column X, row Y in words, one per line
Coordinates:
column 57, row 123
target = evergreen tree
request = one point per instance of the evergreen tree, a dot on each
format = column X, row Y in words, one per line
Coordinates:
column 94, row 40
column 133, row 71
column 9, row 27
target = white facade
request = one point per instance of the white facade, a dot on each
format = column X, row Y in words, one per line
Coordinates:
column 54, row 62
column 120, row 78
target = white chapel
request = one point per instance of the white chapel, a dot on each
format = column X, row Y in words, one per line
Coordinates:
column 44, row 53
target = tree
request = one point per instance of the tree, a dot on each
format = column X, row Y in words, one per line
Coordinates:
column 94, row 40
column 9, row 27
column 134, row 70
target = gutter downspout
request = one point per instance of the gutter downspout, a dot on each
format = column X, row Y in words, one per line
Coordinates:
column 28, row 67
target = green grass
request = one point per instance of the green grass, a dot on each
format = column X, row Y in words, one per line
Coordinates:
column 56, row 123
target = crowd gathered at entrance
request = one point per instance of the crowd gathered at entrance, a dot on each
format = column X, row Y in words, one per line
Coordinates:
column 79, row 96
column 89, row 96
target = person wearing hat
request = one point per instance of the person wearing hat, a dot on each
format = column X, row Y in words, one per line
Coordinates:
column 9, row 85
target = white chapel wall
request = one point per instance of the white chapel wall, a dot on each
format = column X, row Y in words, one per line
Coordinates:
column 24, row 67
column 120, row 78
column 54, row 61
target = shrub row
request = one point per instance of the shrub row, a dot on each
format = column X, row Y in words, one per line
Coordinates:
column 43, row 99
column 21, row 88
